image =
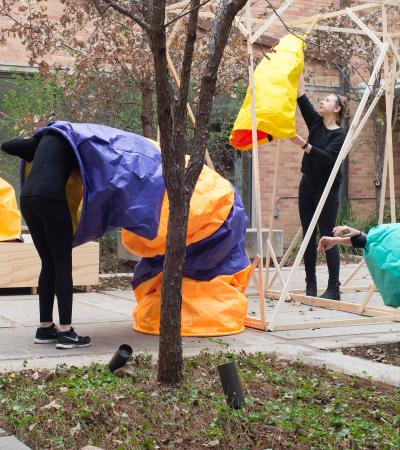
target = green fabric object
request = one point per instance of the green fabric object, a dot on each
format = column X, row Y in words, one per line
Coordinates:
column 382, row 255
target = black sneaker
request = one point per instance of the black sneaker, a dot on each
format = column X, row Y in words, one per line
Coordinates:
column 69, row 339
column 46, row 335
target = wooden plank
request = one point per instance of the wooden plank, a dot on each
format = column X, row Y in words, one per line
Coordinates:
column 345, row 30
column 333, row 304
column 286, row 256
column 271, row 19
column 394, row 49
column 345, row 289
column 364, row 27
column 270, row 250
column 367, row 299
column 20, row 264
column 255, row 165
column 389, row 95
column 335, row 323
column 353, row 273
column 332, row 14
column 253, row 266
column 252, row 322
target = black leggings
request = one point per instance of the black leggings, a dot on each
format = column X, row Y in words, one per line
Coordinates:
column 50, row 225
column 309, row 197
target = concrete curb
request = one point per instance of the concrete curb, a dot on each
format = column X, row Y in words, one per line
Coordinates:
column 335, row 361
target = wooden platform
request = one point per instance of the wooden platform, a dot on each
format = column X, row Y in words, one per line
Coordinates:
column 20, row 264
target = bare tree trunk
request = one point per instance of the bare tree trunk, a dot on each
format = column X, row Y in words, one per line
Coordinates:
column 170, row 361
column 147, row 110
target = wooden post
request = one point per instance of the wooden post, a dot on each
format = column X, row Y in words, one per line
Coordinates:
column 367, row 299
column 256, row 173
column 286, row 256
column 343, row 153
column 270, row 249
column 389, row 94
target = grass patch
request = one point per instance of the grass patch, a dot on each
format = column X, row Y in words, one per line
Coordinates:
column 288, row 405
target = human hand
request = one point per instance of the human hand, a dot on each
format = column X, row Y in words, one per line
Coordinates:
column 345, row 231
column 326, row 243
column 298, row 140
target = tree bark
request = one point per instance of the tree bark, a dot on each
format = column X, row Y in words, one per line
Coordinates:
column 170, row 360
column 147, row 110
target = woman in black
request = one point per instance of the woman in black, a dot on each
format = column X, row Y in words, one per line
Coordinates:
column 320, row 152
column 45, row 210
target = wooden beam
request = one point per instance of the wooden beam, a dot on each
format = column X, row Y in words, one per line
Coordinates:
column 364, row 27
column 333, row 14
column 270, row 250
column 394, row 49
column 286, row 255
column 271, row 19
column 252, row 322
column 334, row 323
column 389, row 96
column 253, row 266
column 346, row 30
column 335, row 305
column 353, row 273
column 367, row 299
column 255, row 164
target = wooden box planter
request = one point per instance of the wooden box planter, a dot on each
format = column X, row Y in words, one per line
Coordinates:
column 20, row 265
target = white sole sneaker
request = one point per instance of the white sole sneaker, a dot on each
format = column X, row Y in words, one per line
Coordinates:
column 61, row 346
column 44, row 341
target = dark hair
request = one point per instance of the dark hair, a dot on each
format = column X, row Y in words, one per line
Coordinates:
column 341, row 102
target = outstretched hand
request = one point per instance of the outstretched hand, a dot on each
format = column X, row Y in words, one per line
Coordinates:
column 345, row 231
column 326, row 243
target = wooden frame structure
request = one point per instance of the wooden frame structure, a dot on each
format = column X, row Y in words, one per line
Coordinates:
column 388, row 58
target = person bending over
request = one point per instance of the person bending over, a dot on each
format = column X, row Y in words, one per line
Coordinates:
column 321, row 150
column 45, row 210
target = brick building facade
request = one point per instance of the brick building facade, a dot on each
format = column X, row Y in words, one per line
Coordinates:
column 361, row 187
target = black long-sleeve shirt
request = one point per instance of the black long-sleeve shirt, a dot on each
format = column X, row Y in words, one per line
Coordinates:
column 359, row 241
column 52, row 162
column 326, row 144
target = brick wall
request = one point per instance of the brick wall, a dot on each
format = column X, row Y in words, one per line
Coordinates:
column 362, row 159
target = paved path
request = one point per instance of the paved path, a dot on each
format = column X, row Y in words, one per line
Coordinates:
column 106, row 317
column 8, row 442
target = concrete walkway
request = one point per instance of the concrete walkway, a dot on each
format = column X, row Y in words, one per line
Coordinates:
column 106, row 317
column 8, row 442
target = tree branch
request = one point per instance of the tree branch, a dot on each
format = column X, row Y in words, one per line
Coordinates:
column 185, row 13
column 224, row 16
column 126, row 12
column 185, row 77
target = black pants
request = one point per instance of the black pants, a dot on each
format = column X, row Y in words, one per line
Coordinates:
column 50, row 225
column 309, row 197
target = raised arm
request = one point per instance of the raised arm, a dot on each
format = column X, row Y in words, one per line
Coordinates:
column 310, row 115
